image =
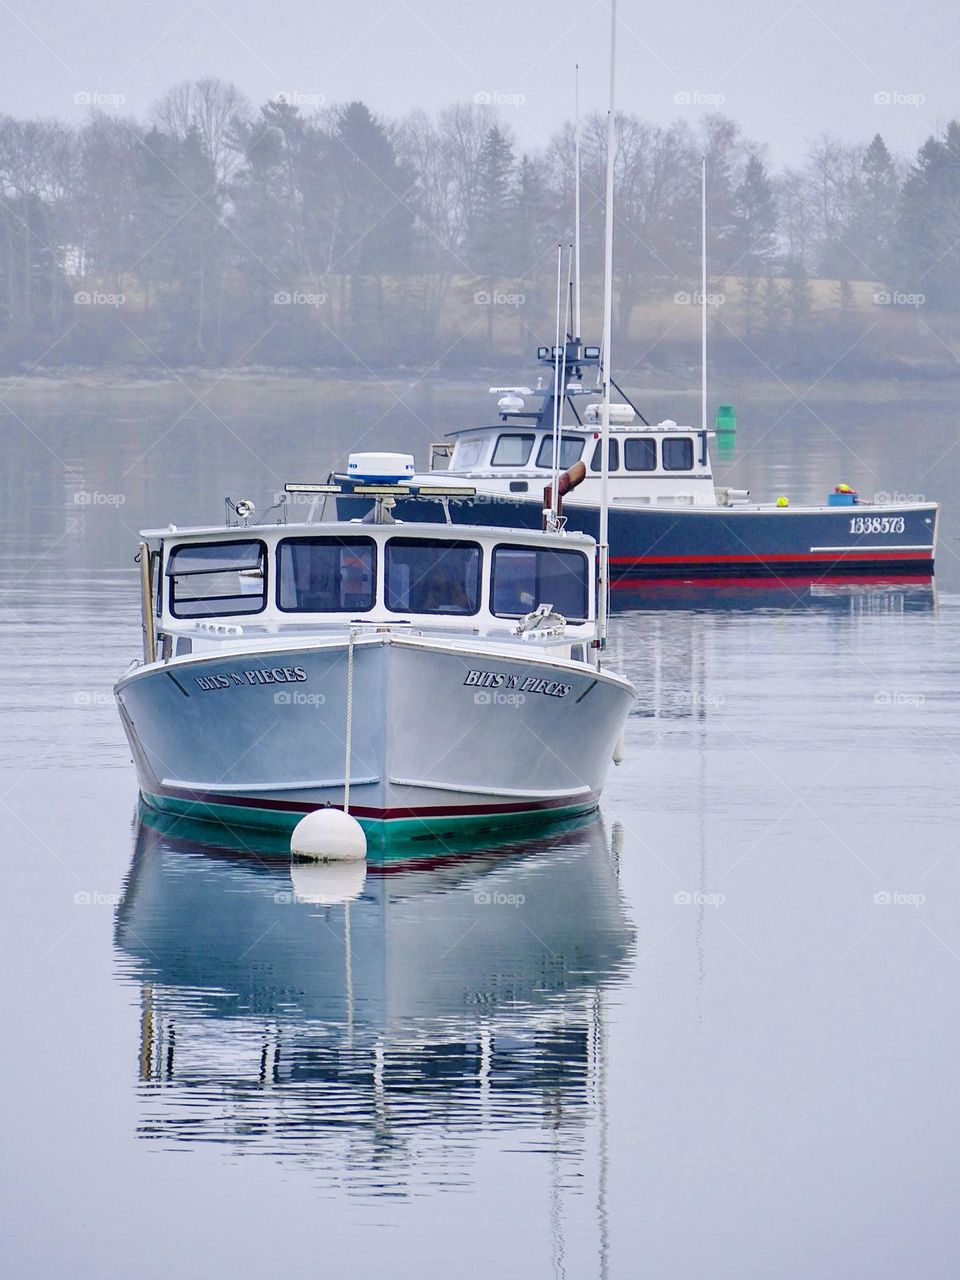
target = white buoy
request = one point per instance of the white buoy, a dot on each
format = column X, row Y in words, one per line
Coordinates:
column 328, row 884
column 329, row 835
column 619, row 751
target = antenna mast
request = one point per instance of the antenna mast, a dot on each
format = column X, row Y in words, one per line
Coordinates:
column 577, row 327
column 604, row 547
column 703, row 294
column 556, row 392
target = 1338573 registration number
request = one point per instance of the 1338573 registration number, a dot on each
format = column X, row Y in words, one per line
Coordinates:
column 877, row 524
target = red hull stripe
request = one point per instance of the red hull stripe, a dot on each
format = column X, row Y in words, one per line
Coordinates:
column 773, row 583
column 360, row 811
column 832, row 557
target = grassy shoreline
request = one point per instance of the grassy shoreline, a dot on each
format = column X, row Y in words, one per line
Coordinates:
column 195, row 381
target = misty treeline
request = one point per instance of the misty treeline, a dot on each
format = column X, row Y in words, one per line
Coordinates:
column 217, row 234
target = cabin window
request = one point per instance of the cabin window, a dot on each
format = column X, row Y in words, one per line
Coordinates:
column 613, row 456
column 327, row 575
column 640, row 453
column 525, row 577
column 677, row 453
column 571, row 448
column 213, row 579
column 512, row 449
column 432, row 575
column 467, row 453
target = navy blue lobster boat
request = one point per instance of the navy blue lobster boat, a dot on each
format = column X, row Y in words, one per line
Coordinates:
column 668, row 519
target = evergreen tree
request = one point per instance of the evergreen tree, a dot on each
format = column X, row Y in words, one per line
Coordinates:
column 875, row 212
column 530, row 218
column 179, row 241
column 374, row 232
column 928, row 225
column 752, row 239
column 857, row 245
column 753, row 232
column 488, row 239
column 487, row 242
column 722, row 150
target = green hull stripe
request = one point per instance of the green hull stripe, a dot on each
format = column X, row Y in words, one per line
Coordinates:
column 381, row 833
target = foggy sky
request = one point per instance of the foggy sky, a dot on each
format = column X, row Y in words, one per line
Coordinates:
column 787, row 69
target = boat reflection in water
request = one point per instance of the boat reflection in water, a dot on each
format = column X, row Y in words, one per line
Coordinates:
column 359, row 1018
column 833, row 594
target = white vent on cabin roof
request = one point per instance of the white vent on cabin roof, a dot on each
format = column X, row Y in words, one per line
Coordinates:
column 621, row 415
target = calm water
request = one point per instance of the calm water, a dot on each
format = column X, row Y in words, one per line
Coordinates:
column 710, row 1033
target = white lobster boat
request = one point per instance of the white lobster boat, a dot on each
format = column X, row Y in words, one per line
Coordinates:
column 426, row 677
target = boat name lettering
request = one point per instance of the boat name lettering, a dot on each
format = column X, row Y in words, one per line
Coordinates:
column 258, row 675
column 523, row 684
column 876, row 524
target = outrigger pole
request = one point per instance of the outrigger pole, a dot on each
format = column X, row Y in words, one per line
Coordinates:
column 556, row 394
column 703, row 294
column 561, row 395
column 578, row 329
column 604, row 539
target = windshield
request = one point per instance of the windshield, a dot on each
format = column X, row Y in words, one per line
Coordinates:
column 432, row 575
column 212, row 579
column 512, row 449
column 524, row 578
column 571, row 448
column 327, row 575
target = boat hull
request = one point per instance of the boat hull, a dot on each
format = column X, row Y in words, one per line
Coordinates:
column 714, row 543
column 432, row 752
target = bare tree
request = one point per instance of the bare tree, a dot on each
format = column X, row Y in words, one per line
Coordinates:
column 213, row 108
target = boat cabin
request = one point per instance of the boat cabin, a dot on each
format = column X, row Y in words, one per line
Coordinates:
column 648, row 465
column 209, row 585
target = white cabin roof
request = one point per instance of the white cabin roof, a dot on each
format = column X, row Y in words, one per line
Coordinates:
column 351, row 528
column 572, row 428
